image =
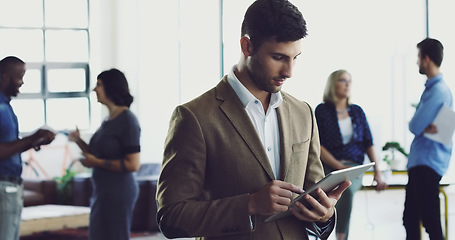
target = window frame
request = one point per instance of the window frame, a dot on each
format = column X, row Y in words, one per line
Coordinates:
column 45, row 66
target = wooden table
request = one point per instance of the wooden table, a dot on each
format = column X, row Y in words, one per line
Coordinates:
column 52, row 217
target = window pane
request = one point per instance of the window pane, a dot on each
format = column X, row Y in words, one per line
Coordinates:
column 32, row 81
column 25, row 44
column 30, row 113
column 66, row 80
column 21, row 13
column 66, row 46
column 69, row 13
column 60, row 116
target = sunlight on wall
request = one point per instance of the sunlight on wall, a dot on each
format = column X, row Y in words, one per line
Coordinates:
column 178, row 58
column 361, row 42
column 175, row 43
column 170, row 52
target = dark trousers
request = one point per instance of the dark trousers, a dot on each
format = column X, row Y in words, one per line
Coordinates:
column 422, row 204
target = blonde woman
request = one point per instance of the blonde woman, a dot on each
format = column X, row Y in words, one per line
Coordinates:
column 345, row 139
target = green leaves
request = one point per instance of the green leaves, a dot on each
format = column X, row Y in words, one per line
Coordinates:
column 65, row 188
column 394, row 145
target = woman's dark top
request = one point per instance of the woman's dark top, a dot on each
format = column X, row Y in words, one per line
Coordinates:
column 114, row 193
column 330, row 134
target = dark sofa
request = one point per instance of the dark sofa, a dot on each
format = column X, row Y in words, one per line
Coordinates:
column 39, row 192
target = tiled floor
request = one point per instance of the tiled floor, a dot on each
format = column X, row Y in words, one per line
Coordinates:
column 377, row 216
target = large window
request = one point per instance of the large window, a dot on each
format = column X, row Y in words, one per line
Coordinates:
column 52, row 37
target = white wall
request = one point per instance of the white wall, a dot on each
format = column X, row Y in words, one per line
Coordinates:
column 170, row 51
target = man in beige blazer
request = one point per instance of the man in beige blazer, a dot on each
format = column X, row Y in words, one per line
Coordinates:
column 241, row 151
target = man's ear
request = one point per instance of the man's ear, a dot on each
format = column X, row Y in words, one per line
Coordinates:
column 246, row 46
column 427, row 60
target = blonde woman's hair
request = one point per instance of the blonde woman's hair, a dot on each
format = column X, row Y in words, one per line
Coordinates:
column 329, row 91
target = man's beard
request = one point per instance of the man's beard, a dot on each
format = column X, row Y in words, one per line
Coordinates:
column 13, row 90
column 258, row 76
column 421, row 70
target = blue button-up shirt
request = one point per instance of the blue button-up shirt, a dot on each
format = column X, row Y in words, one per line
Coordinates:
column 423, row 150
column 9, row 132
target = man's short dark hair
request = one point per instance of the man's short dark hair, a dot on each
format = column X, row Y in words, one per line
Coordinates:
column 433, row 49
column 7, row 62
column 276, row 20
column 116, row 87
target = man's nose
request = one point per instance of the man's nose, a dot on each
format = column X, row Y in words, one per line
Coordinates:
column 288, row 67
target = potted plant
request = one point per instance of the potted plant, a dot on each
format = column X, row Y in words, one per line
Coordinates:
column 390, row 157
column 65, row 184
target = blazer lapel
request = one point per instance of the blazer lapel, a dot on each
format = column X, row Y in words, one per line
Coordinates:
column 283, row 115
column 241, row 122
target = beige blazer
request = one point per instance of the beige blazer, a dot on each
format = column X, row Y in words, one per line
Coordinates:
column 213, row 159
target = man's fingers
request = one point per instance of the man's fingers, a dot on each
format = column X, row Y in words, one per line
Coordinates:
column 288, row 186
column 338, row 191
column 282, row 192
column 282, row 201
column 431, row 128
column 307, row 212
column 274, row 197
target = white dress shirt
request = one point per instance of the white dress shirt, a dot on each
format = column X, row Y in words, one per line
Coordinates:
column 266, row 124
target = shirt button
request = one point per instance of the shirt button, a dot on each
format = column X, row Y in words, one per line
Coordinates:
column 256, row 101
column 269, row 149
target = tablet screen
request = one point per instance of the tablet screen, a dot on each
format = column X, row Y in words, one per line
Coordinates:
column 328, row 183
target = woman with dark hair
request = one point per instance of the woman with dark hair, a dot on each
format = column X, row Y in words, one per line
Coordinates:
column 114, row 154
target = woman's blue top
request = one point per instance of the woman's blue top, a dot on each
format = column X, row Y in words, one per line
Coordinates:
column 330, row 134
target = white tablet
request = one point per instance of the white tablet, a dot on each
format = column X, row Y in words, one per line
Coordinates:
column 328, row 183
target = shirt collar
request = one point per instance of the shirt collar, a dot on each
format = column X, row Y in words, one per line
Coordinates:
column 4, row 99
column 432, row 81
column 245, row 96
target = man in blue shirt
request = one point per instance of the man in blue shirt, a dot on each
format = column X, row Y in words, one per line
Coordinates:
column 12, row 71
column 428, row 160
